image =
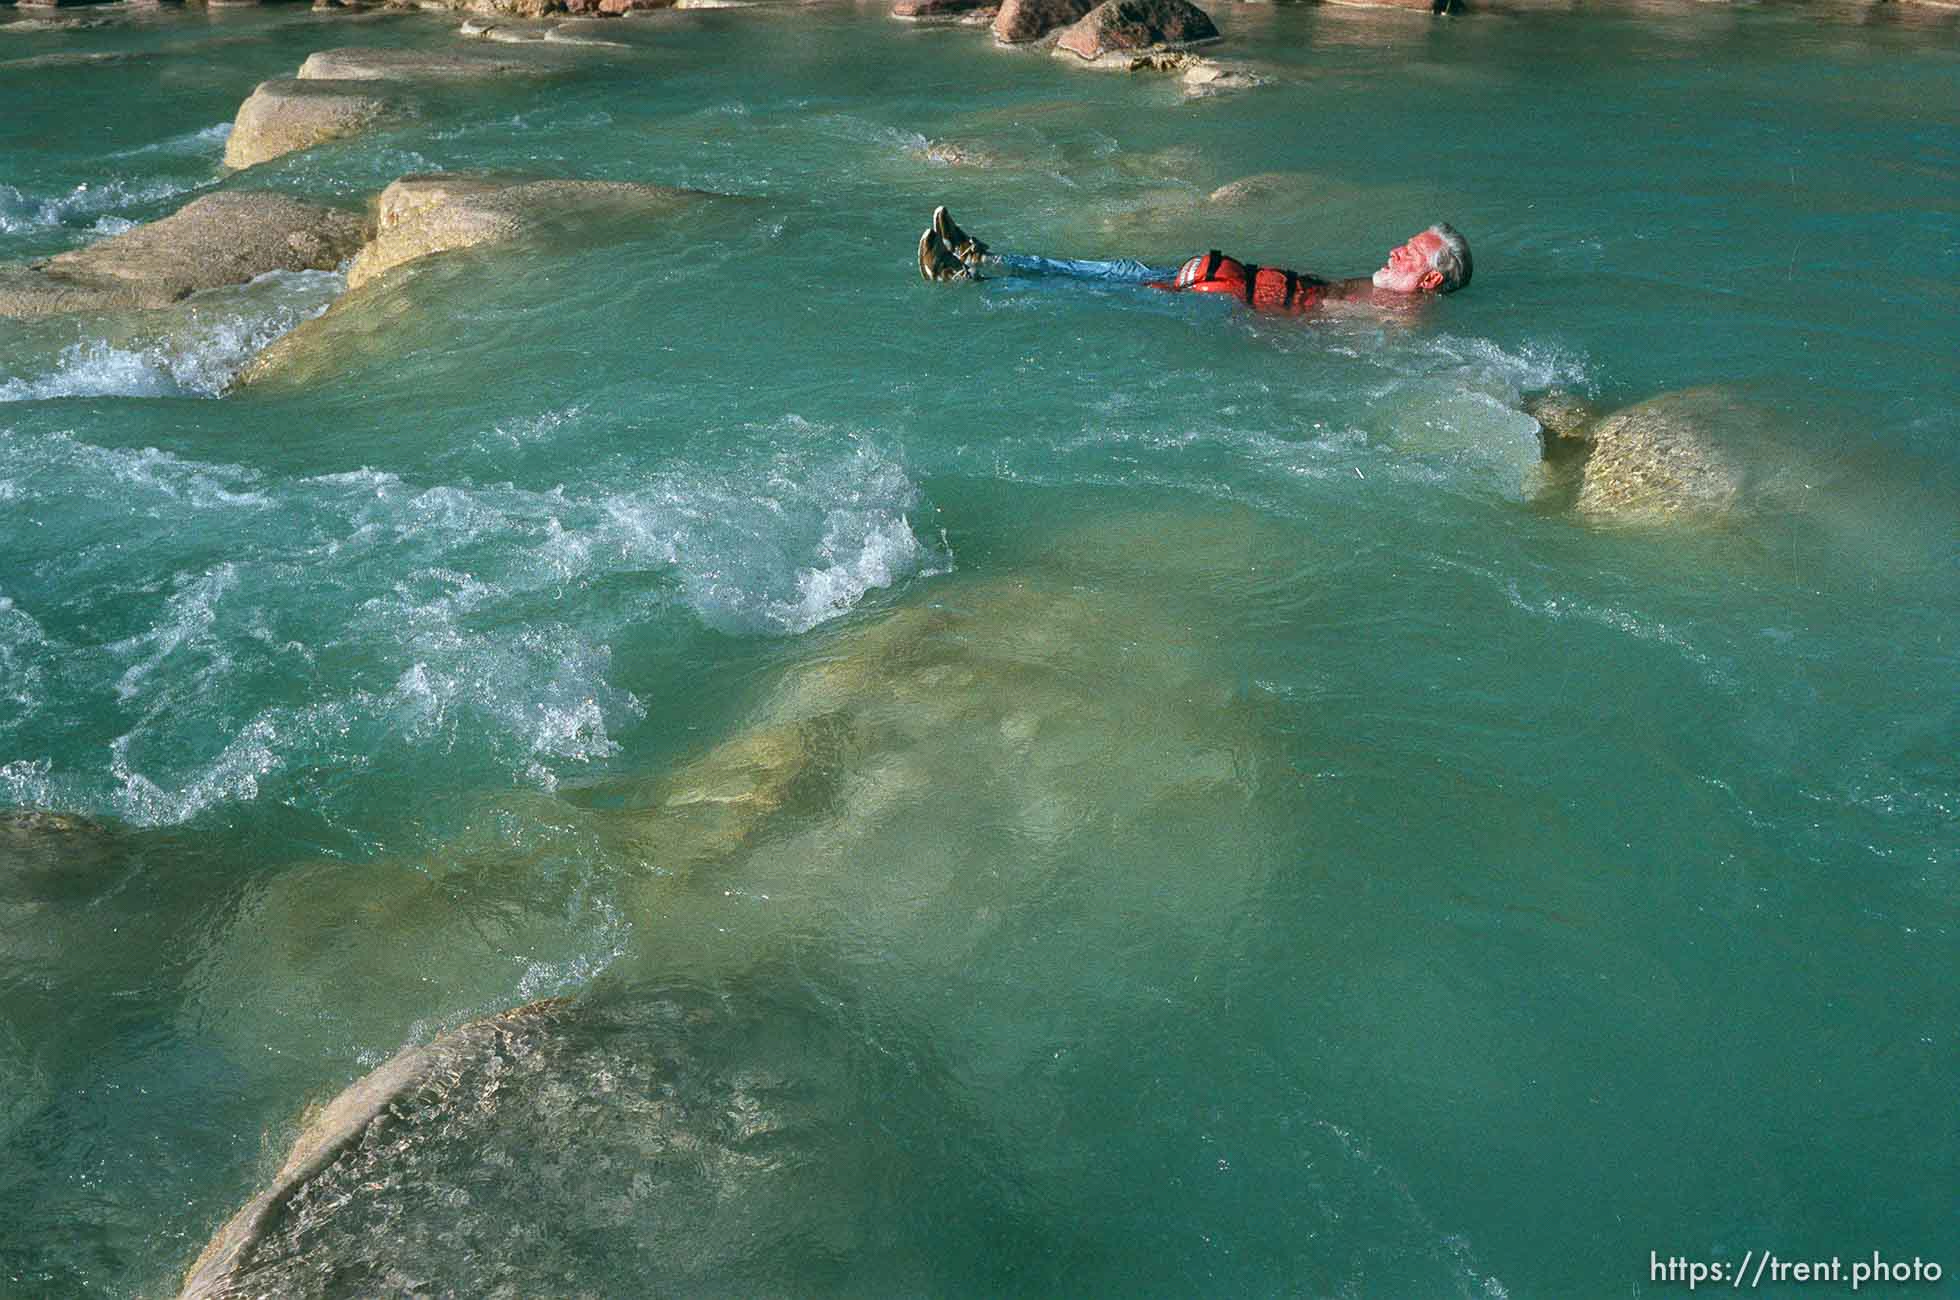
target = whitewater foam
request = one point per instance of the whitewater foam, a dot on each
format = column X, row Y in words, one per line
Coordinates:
column 210, row 139
column 200, row 359
column 23, row 645
column 471, row 609
column 22, row 213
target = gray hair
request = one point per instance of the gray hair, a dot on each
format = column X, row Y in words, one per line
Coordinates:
column 1453, row 258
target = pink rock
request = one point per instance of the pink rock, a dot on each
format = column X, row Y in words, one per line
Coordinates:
column 1136, row 25
column 1029, row 20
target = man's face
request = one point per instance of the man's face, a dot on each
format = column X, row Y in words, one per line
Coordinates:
column 1410, row 269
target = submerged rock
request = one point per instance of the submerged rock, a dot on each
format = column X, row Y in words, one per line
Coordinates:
column 36, row 845
column 1678, row 457
column 1655, row 460
column 219, row 239
column 1207, row 77
column 1020, row 21
column 659, row 1140
column 417, row 216
column 429, row 1074
column 584, row 31
column 286, row 114
column 1117, row 26
column 420, row 216
column 356, row 64
column 945, row 805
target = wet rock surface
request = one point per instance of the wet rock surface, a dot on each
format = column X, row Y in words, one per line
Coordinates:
column 1700, row 455
column 645, row 1141
column 219, row 239
column 357, row 64
column 1118, row 26
column 287, row 114
column 1659, row 459
column 420, row 215
column 1020, row 21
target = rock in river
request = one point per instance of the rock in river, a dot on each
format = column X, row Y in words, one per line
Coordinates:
column 1020, row 21
column 418, row 216
column 1123, row 25
column 358, row 64
column 287, row 114
column 215, row 240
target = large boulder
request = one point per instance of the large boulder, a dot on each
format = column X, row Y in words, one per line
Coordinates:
column 1656, row 460
column 420, row 215
column 1117, row 26
column 287, row 114
column 1678, row 457
column 656, row 1141
column 215, row 240
column 361, row 64
column 1020, row 21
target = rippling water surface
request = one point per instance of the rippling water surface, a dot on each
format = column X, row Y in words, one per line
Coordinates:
column 1124, row 796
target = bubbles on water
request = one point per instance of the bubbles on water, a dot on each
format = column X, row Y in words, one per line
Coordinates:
column 30, row 783
column 798, row 548
column 199, row 357
column 23, row 648
column 863, row 553
column 207, row 140
column 1559, row 609
column 534, row 429
column 468, row 614
column 22, row 213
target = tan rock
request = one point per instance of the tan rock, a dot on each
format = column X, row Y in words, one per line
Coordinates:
column 1205, row 77
column 420, row 215
column 287, row 114
column 356, row 64
column 219, row 239
column 341, row 1124
column 1680, row 457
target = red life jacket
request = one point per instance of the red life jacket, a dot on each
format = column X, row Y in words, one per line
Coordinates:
column 1264, row 288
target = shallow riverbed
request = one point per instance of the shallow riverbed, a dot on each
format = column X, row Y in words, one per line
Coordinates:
column 1204, row 819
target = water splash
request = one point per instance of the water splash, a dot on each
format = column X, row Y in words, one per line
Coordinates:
column 22, row 213
column 206, row 140
column 198, row 360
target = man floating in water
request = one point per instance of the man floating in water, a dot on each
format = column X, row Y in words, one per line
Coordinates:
column 1437, row 261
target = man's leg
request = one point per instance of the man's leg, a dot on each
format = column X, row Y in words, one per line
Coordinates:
column 976, row 254
column 1122, row 271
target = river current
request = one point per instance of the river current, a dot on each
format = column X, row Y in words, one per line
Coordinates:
column 1188, row 812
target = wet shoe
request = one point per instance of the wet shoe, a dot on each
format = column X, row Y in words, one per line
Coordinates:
column 936, row 261
column 964, row 246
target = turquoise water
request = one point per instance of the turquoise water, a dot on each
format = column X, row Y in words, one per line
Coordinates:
column 1251, row 839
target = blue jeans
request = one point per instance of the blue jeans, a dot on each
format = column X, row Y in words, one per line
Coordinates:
column 1126, row 271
